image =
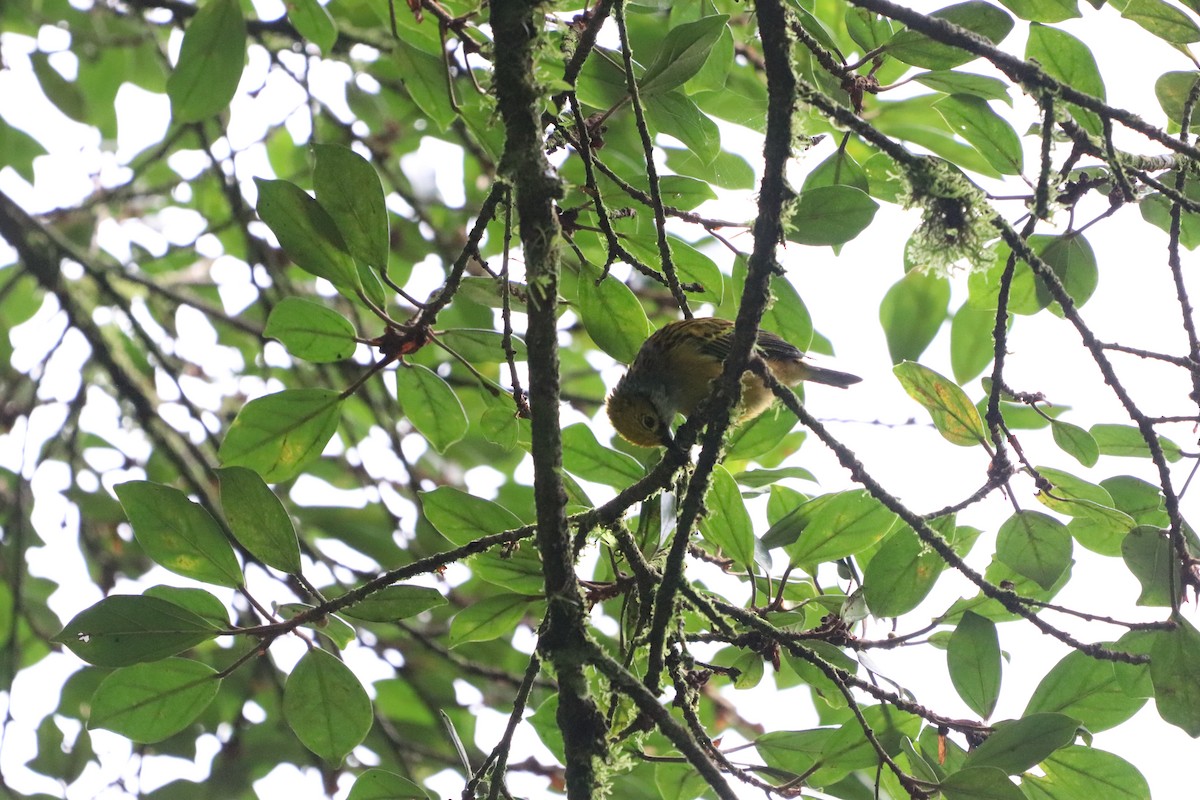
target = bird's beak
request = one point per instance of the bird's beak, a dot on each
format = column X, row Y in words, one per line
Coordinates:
column 667, row 440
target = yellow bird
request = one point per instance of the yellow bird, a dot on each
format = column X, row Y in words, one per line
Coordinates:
column 674, row 368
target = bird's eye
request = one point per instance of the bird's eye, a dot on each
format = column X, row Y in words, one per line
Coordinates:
column 649, row 421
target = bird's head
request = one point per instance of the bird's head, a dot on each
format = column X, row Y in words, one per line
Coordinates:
column 638, row 418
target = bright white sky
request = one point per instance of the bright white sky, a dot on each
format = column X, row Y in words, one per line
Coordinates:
column 842, row 292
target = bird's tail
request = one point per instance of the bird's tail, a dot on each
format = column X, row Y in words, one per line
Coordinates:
column 830, row 377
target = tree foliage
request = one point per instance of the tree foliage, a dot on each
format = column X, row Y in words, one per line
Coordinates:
column 317, row 372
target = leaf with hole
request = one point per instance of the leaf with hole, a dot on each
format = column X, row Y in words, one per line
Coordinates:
column 130, row 629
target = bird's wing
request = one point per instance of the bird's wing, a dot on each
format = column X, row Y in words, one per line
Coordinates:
column 770, row 346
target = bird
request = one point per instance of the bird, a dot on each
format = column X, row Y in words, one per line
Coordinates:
column 673, row 371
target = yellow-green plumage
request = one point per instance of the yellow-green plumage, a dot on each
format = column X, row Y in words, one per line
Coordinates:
column 675, row 367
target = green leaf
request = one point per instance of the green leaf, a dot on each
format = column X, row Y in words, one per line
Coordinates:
column 311, row 331
column 790, row 525
column 462, row 517
column 490, row 618
column 518, row 571
column 64, row 94
column 901, row 574
column 1087, row 689
column 746, row 666
column 678, row 782
column 727, row 525
column 1156, row 207
column 544, row 723
column 973, row 657
column 1077, row 498
column 760, row 435
column 330, row 626
column 482, row 346
column 1075, row 441
column 1035, row 545
column 612, row 315
column 128, row 629
column 788, row 316
column 1127, row 441
column 306, row 232
column 979, row 783
column 972, row 345
column 392, row 603
column 912, row 313
column 258, row 519
column 676, row 114
column 816, row 26
column 590, row 460
column 842, row 526
column 919, row 50
column 1044, row 10
column 601, row 83
column 868, row 29
column 210, row 62
column 501, row 427
column 150, row 702
column 278, row 435
column 1163, row 20
column 425, row 80
column 727, row 170
column 822, row 688
column 1023, row 298
column 684, row 193
column 1017, row 745
column 20, row 149
column 681, row 54
column 326, row 706
column 953, row 415
column 989, row 133
column 694, row 266
column 1151, row 558
column 431, row 406
column 1141, row 500
column 1073, row 261
column 198, row 601
column 378, row 784
column 759, row 478
column 1069, row 60
column 313, row 22
column 348, row 187
column 840, row 169
column 1172, row 90
column 1174, row 664
column 848, row 747
column 830, row 215
column 952, row 82
column 1083, row 772
column 793, row 751
column 691, row 265
column 179, row 534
